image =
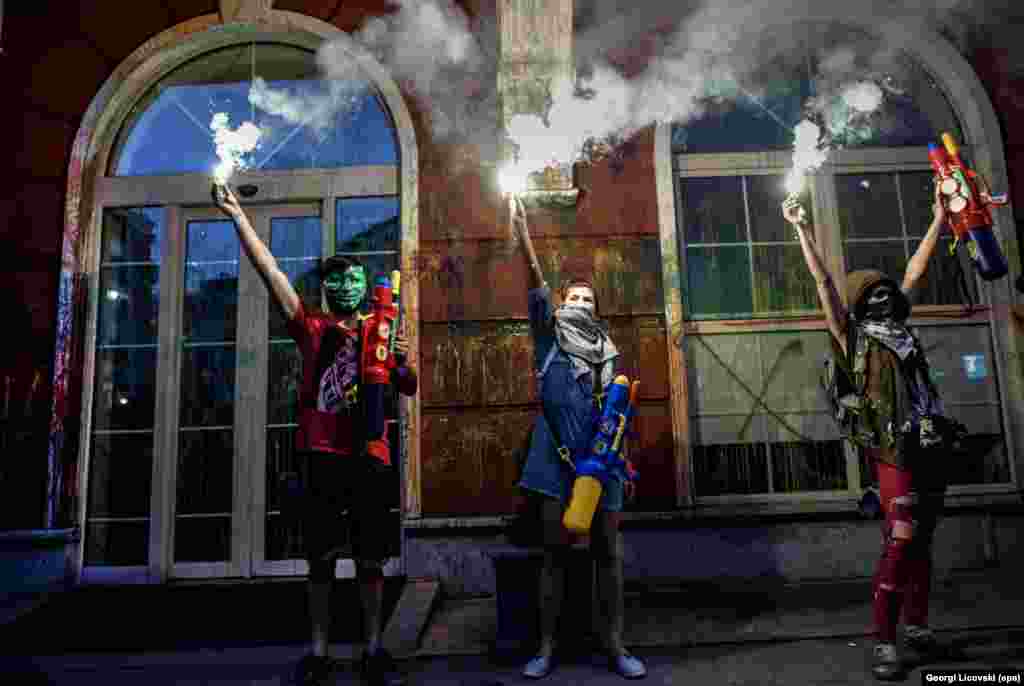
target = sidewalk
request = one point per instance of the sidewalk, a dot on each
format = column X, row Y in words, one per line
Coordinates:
column 800, row 634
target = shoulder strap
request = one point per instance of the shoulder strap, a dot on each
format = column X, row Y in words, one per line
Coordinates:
column 548, row 359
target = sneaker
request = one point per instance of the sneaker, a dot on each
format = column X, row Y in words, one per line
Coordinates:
column 921, row 639
column 627, row 666
column 314, row 670
column 888, row 666
column 380, row 669
column 539, row 667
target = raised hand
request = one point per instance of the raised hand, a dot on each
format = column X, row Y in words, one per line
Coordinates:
column 226, row 200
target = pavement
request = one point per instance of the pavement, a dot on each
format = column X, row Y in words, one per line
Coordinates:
column 754, row 633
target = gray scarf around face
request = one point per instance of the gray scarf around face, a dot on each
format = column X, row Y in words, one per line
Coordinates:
column 585, row 340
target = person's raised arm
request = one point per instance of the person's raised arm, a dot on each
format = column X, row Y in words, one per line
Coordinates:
column 831, row 303
column 523, row 233
column 918, row 264
column 276, row 280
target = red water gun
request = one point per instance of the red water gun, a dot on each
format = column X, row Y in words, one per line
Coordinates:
column 967, row 209
column 378, row 356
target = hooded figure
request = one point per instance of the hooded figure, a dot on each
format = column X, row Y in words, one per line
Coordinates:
column 899, row 425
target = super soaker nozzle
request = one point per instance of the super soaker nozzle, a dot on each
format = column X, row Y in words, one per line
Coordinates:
column 604, row 458
column 968, row 214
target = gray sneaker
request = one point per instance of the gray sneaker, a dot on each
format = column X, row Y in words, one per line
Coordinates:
column 539, row 667
column 627, row 666
column 887, row 665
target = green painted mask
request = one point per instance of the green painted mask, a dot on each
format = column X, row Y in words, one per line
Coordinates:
column 345, row 290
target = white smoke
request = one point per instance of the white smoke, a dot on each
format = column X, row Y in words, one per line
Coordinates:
column 317, row 111
column 808, row 154
column 232, row 145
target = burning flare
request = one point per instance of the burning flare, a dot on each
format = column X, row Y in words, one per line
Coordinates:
column 232, row 145
column 808, row 155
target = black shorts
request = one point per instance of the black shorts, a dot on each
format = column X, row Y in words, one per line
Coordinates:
column 341, row 502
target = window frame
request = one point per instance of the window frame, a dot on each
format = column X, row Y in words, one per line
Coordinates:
column 827, row 234
column 90, row 191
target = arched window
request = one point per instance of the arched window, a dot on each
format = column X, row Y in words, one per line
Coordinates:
column 755, row 340
column 194, row 394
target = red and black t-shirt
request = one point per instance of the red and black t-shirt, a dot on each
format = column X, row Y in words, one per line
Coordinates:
column 328, row 409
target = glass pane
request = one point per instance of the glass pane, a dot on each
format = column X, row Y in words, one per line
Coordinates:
column 917, row 191
column 962, row 363
column 367, row 224
column 941, row 283
column 713, row 210
column 808, row 466
column 792, row 366
column 718, row 282
column 132, row 234
column 211, row 282
column 889, row 257
column 116, row 543
column 283, row 532
column 205, row 471
column 125, row 389
column 120, row 474
column 129, row 306
column 728, row 458
column 304, row 120
column 765, row 195
column 208, row 386
column 868, row 206
column 284, row 376
column 724, row 374
column 985, row 460
column 782, row 282
column 204, row 539
column 296, row 243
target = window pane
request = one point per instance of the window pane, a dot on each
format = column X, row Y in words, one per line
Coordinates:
column 343, row 122
column 792, row 366
column 868, row 206
column 132, row 234
column 713, row 210
column 806, row 451
column 917, row 191
column 205, row 471
column 765, row 195
column 888, row 257
column 963, row 366
column 782, row 282
column 125, row 395
column 941, row 283
column 208, row 386
column 296, row 243
column 724, row 373
column 367, row 224
column 204, row 539
column 120, row 474
column 718, row 282
column 726, row 460
column 283, row 533
column 211, row 282
column 129, row 305
column 985, row 459
column 284, row 375
column 116, row 543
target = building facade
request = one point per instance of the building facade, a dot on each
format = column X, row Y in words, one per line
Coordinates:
column 172, row 379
